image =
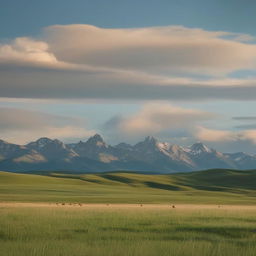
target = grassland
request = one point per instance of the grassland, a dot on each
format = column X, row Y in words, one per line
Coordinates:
column 208, row 187
column 128, row 214
column 81, row 231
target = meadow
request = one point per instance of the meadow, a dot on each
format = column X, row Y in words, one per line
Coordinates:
column 207, row 187
column 112, row 214
column 102, row 231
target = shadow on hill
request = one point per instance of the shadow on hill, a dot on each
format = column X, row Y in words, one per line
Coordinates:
column 218, row 180
column 161, row 186
column 76, row 177
column 118, row 178
column 223, row 180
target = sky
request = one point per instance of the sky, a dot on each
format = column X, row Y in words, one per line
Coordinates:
column 182, row 71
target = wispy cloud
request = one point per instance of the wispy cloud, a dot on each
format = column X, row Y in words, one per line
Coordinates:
column 214, row 135
column 244, row 118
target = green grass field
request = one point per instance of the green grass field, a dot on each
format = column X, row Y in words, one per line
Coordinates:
column 110, row 229
column 208, row 187
column 67, row 231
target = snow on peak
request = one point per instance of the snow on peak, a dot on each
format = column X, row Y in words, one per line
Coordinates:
column 199, row 148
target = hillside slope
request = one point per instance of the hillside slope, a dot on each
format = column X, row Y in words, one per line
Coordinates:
column 212, row 186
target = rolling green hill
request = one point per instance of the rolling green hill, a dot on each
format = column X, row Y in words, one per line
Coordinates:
column 211, row 186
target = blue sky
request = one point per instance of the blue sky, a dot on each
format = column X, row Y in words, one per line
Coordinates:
column 27, row 17
column 177, row 70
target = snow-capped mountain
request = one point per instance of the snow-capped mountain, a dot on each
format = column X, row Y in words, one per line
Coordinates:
column 243, row 160
column 95, row 155
column 198, row 149
column 52, row 149
column 92, row 148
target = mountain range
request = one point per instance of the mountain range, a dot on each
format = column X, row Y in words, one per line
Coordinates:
column 95, row 155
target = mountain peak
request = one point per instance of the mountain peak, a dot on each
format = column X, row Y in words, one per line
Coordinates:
column 3, row 142
column 43, row 140
column 95, row 154
column 148, row 144
column 199, row 147
column 40, row 142
column 96, row 140
column 97, row 137
column 150, row 139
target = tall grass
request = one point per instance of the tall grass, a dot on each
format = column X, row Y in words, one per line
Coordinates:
column 74, row 231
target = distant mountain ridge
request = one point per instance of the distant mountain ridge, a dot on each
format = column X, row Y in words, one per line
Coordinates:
column 95, row 155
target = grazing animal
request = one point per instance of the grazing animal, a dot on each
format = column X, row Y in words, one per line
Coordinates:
column 173, row 206
column 63, row 204
column 141, row 205
column 80, row 204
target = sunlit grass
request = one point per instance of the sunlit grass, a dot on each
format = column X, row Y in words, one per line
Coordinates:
column 227, row 187
column 112, row 230
column 67, row 231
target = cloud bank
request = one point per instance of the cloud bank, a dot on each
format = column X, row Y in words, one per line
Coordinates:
column 84, row 61
column 155, row 49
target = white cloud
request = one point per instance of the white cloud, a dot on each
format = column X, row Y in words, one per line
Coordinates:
column 26, row 49
column 83, row 61
column 212, row 135
column 152, row 49
column 157, row 118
